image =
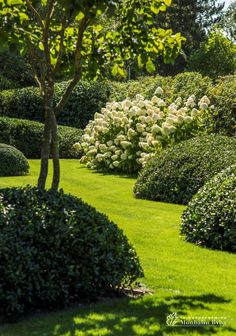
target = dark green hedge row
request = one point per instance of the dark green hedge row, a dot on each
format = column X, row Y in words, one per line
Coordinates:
column 12, row 161
column 179, row 172
column 88, row 98
column 210, row 218
column 27, row 135
column 60, row 252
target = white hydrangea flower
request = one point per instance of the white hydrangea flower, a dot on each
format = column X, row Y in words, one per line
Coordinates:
column 159, row 91
column 203, row 106
column 161, row 103
column 194, row 112
column 103, row 148
column 107, row 154
column 139, row 97
column 114, row 157
column 178, row 101
column 155, row 100
column 125, row 144
column 188, row 119
column 116, row 163
column 156, row 129
column 190, row 102
column 121, row 137
column 131, row 133
column 205, row 100
column 77, row 146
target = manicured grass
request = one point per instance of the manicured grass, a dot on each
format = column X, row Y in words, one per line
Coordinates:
column 187, row 279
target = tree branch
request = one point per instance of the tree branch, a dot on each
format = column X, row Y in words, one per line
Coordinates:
column 78, row 70
column 61, row 47
column 36, row 13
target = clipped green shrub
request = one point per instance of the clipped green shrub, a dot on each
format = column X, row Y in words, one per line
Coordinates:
column 180, row 171
column 56, row 249
column 210, row 218
column 12, row 161
column 223, row 96
column 26, row 103
column 27, row 136
column 182, row 85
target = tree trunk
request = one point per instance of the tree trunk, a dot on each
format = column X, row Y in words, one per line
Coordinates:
column 47, row 136
column 55, row 154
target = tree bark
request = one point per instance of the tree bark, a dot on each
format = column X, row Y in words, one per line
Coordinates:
column 47, row 137
column 55, row 154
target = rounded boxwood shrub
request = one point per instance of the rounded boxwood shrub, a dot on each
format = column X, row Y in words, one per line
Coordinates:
column 210, row 218
column 55, row 249
column 12, row 161
column 180, row 171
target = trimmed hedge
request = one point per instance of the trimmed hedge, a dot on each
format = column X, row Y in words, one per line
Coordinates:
column 12, row 161
column 56, row 249
column 180, row 171
column 27, row 136
column 223, row 96
column 183, row 85
column 210, row 218
column 86, row 99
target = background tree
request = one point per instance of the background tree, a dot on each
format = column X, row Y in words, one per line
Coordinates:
column 216, row 57
column 228, row 21
column 193, row 19
column 52, row 33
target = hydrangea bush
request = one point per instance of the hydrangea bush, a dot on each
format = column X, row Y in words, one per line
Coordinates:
column 128, row 133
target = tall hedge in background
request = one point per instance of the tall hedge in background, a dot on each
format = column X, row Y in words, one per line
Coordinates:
column 26, row 103
column 26, row 136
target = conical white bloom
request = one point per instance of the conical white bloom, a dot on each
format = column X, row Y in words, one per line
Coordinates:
column 116, row 163
column 125, row 144
column 205, row 100
column 155, row 100
column 159, row 91
column 194, row 112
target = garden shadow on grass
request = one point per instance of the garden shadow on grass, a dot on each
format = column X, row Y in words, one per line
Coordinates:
column 116, row 174
column 120, row 317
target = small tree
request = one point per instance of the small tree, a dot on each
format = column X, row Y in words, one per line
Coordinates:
column 215, row 57
column 63, row 34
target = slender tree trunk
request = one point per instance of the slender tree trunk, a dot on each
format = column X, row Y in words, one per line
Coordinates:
column 47, row 136
column 55, row 154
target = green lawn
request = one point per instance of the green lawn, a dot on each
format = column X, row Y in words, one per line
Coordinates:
column 187, row 279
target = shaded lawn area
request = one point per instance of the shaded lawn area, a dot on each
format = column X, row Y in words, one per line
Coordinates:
column 186, row 279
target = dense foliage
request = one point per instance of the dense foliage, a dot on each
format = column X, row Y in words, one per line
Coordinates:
column 85, row 100
column 27, row 136
column 210, row 218
column 179, row 172
column 126, row 134
column 60, row 252
column 15, row 70
column 223, row 96
column 215, row 57
column 12, row 161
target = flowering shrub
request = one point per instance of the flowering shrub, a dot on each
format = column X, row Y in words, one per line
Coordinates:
column 126, row 134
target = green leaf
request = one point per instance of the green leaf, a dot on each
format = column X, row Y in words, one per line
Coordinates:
column 168, row 2
column 150, row 66
column 79, row 16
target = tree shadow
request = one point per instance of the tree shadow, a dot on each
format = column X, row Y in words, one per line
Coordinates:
column 133, row 317
column 117, row 174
